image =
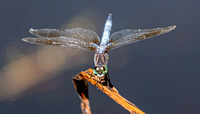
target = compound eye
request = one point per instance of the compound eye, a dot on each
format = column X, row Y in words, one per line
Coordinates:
column 97, row 68
column 101, row 68
column 104, row 68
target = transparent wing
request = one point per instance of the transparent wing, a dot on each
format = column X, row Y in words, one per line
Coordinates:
column 129, row 36
column 73, row 38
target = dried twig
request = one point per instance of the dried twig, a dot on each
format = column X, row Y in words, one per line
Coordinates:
column 81, row 85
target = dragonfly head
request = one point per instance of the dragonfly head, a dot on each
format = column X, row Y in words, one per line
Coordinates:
column 100, row 71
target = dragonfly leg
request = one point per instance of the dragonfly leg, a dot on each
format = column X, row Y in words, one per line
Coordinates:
column 105, row 81
column 109, row 84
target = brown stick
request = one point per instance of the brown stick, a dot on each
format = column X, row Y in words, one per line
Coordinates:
column 82, row 89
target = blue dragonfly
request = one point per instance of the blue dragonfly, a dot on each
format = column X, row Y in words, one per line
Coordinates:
column 88, row 40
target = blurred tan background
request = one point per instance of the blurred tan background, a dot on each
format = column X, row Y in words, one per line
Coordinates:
column 26, row 70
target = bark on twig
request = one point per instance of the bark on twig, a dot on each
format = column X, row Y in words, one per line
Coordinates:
column 81, row 85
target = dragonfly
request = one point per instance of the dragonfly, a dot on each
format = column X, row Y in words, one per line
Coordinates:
column 88, row 40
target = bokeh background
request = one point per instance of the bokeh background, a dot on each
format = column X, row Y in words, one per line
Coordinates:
column 160, row 75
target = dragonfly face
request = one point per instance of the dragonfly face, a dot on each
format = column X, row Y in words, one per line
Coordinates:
column 88, row 40
column 100, row 71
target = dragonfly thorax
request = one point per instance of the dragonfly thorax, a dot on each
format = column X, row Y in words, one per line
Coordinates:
column 101, row 58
